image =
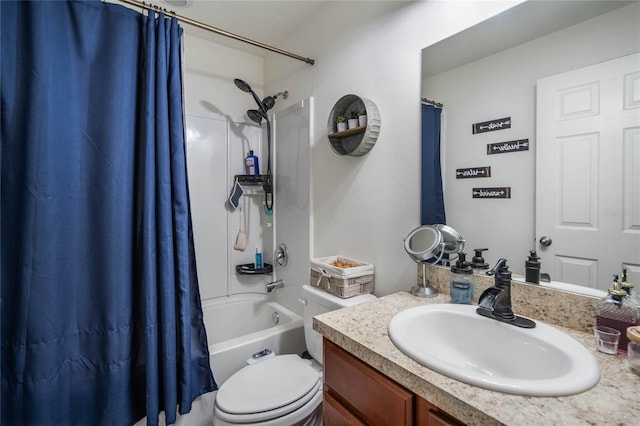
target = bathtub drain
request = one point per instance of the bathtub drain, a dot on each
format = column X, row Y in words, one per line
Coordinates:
column 275, row 318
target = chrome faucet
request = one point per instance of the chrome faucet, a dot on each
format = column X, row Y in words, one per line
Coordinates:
column 495, row 302
column 274, row 284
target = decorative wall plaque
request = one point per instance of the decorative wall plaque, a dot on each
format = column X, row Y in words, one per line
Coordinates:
column 501, row 192
column 510, row 146
column 473, row 172
column 490, row 126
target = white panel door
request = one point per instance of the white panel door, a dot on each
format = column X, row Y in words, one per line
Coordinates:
column 588, row 172
column 293, row 130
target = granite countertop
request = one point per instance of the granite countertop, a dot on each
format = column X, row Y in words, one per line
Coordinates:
column 362, row 331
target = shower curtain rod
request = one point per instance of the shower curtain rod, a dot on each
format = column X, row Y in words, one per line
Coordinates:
column 434, row 103
column 218, row 31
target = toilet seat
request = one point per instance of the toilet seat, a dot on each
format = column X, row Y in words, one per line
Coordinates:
column 268, row 390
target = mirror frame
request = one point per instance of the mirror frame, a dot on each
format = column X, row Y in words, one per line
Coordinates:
column 533, row 24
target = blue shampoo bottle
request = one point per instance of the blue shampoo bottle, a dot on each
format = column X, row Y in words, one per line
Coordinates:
column 252, row 164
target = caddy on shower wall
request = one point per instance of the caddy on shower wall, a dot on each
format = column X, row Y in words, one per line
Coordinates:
column 258, row 115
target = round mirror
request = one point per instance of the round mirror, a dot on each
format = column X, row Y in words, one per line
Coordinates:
column 453, row 241
column 424, row 243
column 427, row 244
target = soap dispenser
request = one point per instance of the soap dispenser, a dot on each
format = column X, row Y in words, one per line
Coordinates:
column 532, row 268
column 632, row 295
column 461, row 286
column 478, row 262
column 618, row 312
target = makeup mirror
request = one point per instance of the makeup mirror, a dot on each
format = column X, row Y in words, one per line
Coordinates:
column 427, row 245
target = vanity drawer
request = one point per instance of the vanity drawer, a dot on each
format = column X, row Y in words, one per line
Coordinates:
column 368, row 394
column 334, row 413
column 428, row 414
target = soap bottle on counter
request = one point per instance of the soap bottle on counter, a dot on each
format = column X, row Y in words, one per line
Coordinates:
column 632, row 295
column 618, row 312
column 532, row 268
column 461, row 287
column 477, row 262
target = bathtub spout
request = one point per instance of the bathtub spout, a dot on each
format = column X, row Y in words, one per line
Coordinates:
column 275, row 284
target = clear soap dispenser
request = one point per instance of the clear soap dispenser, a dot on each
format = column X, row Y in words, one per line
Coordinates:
column 461, row 286
column 618, row 312
column 632, row 295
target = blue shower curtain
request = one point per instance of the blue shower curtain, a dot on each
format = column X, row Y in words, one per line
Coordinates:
column 101, row 314
column 432, row 199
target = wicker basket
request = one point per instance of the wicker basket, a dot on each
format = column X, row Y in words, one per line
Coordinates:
column 343, row 282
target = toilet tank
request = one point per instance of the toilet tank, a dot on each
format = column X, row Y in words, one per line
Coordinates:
column 318, row 302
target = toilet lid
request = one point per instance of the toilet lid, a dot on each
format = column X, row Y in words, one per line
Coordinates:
column 267, row 385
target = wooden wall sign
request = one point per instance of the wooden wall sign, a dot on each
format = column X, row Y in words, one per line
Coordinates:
column 506, row 147
column 501, row 192
column 473, row 172
column 490, row 126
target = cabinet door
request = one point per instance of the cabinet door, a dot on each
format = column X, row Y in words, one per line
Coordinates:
column 335, row 414
column 370, row 395
column 428, row 414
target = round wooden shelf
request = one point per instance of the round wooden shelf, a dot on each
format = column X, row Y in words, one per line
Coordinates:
column 358, row 140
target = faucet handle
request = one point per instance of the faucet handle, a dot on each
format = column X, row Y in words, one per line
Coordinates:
column 501, row 272
column 500, row 267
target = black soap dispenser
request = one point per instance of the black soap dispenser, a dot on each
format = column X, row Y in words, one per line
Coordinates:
column 461, row 287
column 478, row 262
column 532, row 268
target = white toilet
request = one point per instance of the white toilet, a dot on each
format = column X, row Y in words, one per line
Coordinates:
column 284, row 390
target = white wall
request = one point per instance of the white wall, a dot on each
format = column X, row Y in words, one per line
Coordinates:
column 363, row 207
column 503, row 85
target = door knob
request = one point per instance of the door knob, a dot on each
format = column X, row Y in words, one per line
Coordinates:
column 545, row 241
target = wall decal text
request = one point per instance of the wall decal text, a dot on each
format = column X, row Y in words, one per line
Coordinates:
column 473, row 172
column 490, row 126
column 501, row 192
column 510, row 146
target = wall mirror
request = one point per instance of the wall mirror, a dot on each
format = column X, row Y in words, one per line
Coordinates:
column 491, row 71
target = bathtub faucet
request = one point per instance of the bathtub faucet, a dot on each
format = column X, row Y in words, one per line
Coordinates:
column 275, row 284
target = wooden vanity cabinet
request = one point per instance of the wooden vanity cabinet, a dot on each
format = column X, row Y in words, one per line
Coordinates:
column 356, row 394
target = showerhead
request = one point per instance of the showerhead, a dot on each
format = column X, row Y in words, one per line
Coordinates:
column 256, row 115
column 264, row 105
column 270, row 101
column 242, row 85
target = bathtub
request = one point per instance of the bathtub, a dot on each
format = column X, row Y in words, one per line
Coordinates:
column 241, row 325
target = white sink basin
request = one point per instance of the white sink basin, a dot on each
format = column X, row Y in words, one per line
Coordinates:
column 457, row 342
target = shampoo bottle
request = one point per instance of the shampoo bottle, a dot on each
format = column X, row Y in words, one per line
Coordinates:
column 461, row 286
column 618, row 312
column 251, row 164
